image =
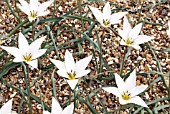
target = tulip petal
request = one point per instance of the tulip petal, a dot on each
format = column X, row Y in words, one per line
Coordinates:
column 98, row 14
column 31, row 18
column 135, row 31
column 115, row 18
column 137, row 47
column 46, row 112
column 24, row 7
column 34, row 5
column 18, row 59
column 120, row 84
column 131, row 80
column 142, row 38
column 62, row 73
column 38, row 53
column 43, row 13
column 59, row 64
column 82, row 64
column 34, row 46
column 122, row 34
column 122, row 42
column 126, row 26
column 33, row 63
column 13, row 51
column 69, row 62
column 112, row 90
column 122, row 101
column 115, row 21
column 106, row 12
column 6, row 108
column 23, row 44
column 137, row 100
column 82, row 73
column 42, row 7
column 56, row 108
column 138, row 89
column 72, row 83
column 69, row 109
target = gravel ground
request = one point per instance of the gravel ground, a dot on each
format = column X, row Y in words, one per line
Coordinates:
column 112, row 52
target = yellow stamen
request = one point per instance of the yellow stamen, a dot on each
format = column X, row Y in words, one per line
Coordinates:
column 125, row 96
column 71, row 76
column 27, row 57
column 33, row 15
column 129, row 42
column 106, row 22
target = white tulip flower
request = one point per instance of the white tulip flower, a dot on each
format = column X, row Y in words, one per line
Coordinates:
column 34, row 9
column 56, row 108
column 105, row 18
column 6, row 108
column 127, row 91
column 26, row 52
column 131, row 37
column 71, row 70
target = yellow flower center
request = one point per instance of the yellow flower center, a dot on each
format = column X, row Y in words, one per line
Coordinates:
column 33, row 15
column 27, row 57
column 106, row 22
column 125, row 96
column 71, row 76
column 129, row 42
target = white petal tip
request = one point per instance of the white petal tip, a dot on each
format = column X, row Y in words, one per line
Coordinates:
column 72, row 83
column 125, row 13
column 43, row 38
column 152, row 37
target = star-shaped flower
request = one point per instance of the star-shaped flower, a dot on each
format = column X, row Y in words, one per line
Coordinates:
column 71, row 70
column 26, row 52
column 105, row 18
column 56, row 108
column 127, row 91
column 131, row 37
column 34, row 9
column 6, row 108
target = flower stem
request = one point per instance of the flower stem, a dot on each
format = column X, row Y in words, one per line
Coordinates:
column 26, row 73
column 80, row 10
column 69, row 96
column 101, row 41
column 33, row 31
column 100, row 54
column 53, row 40
column 120, row 109
column 75, row 94
column 123, row 61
